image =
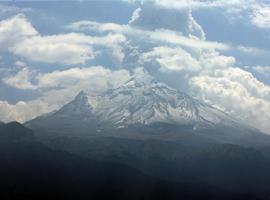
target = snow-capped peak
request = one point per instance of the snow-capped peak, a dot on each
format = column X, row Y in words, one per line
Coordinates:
column 143, row 100
column 79, row 106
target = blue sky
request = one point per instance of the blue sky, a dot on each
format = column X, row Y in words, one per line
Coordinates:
column 216, row 51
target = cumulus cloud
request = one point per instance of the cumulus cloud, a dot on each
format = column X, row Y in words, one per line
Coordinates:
column 18, row 36
column 170, row 59
column 22, row 111
column 182, row 60
column 212, row 60
column 52, row 50
column 15, row 29
column 20, row 80
column 31, row 80
column 261, row 15
column 59, row 87
column 237, row 92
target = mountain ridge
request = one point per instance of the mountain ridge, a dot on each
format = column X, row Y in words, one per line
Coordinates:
column 31, row 170
column 143, row 100
column 141, row 106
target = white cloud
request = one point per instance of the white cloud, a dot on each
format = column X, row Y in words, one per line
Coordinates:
column 18, row 36
column 237, row 92
column 252, row 50
column 53, row 49
column 151, row 23
column 152, row 18
column 159, row 35
column 256, row 11
column 20, row 80
column 177, row 39
column 182, row 60
column 31, row 80
column 15, row 29
column 85, row 25
column 20, row 64
column 135, row 16
column 12, row 9
column 170, row 59
column 261, row 15
column 59, row 87
column 194, row 4
column 264, row 70
column 213, row 60
column 22, row 111
column 70, row 76
column 195, row 28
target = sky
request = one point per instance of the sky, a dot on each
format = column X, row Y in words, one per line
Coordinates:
column 215, row 51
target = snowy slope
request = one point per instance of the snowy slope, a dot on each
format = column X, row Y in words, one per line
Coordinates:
column 142, row 108
column 143, row 100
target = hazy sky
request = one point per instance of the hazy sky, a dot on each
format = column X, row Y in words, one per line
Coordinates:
column 216, row 51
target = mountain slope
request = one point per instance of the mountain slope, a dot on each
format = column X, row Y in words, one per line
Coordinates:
column 13, row 132
column 140, row 103
column 142, row 100
column 162, row 132
column 30, row 170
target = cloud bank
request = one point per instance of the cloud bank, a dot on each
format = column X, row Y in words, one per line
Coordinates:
column 18, row 36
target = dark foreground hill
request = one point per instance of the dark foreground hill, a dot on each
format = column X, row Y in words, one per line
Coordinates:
column 30, row 170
